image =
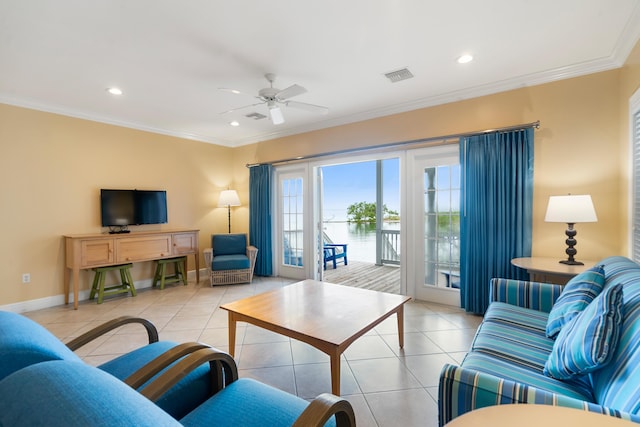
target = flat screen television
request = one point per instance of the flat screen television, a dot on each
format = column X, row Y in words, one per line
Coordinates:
column 121, row 208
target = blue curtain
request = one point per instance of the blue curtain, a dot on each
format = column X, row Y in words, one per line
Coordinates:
column 260, row 217
column 496, row 217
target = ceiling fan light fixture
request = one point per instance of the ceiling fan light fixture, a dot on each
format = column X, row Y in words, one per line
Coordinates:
column 276, row 114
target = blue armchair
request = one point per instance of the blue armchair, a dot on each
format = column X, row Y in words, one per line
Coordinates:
column 230, row 260
column 67, row 393
column 24, row 342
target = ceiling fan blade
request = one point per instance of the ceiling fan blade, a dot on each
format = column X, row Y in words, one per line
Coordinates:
column 290, row 92
column 308, row 107
column 240, row 108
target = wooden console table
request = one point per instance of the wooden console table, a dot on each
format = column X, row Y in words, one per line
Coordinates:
column 84, row 251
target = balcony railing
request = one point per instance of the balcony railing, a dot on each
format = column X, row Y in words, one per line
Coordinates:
column 389, row 252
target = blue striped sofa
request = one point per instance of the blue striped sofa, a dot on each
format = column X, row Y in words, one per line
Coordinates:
column 506, row 360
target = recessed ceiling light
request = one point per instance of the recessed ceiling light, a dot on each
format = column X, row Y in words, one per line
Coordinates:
column 235, row 123
column 465, row 58
column 114, row 91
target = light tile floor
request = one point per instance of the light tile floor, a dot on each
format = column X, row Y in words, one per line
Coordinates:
column 386, row 385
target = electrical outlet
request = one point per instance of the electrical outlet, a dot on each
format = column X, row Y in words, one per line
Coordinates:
column 26, row 278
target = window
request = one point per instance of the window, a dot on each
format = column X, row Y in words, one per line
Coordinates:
column 442, row 225
column 634, row 108
column 292, row 222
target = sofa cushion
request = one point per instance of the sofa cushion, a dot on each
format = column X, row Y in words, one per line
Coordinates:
column 516, row 333
column 508, row 346
column 575, row 297
column 63, row 393
column 506, row 369
column 230, row 262
column 24, row 342
column 588, row 341
column 229, row 244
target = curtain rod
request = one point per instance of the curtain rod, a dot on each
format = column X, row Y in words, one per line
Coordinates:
column 535, row 125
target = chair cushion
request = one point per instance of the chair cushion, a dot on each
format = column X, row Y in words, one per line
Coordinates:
column 247, row 403
column 24, row 342
column 575, row 297
column 229, row 244
column 230, row 262
column 589, row 341
column 183, row 397
column 63, row 393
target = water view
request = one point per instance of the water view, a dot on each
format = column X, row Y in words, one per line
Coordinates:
column 361, row 238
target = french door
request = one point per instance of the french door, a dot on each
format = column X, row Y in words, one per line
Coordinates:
column 433, row 183
column 293, row 233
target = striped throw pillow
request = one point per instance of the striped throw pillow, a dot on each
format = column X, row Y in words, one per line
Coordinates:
column 589, row 341
column 575, row 297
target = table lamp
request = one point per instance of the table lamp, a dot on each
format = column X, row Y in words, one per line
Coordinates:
column 570, row 209
column 227, row 199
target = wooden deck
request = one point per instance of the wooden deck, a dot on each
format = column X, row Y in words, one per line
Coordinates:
column 365, row 275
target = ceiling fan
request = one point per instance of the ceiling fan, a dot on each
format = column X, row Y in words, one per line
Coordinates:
column 274, row 98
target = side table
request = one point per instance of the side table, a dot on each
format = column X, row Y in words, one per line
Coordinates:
column 550, row 270
column 530, row 415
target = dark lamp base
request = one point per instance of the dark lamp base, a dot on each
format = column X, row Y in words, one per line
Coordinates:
column 571, row 262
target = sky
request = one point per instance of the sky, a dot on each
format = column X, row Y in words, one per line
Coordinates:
column 356, row 182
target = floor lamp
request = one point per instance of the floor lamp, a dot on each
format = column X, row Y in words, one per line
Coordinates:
column 227, row 199
column 570, row 209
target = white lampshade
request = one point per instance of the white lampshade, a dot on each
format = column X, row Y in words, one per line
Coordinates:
column 228, row 198
column 570, row 209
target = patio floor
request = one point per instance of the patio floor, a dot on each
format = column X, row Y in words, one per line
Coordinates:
column 365, row 275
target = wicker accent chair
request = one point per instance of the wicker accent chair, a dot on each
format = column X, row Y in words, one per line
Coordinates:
column 230, row 260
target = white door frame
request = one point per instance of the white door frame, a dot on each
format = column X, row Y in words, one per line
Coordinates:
column 300, row 170
column 336, row 160
column 417, row 160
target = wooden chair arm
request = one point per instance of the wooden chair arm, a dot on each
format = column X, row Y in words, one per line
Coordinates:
column 98, row 331
column 145, row 373
column 324, row 407
column 223, row 372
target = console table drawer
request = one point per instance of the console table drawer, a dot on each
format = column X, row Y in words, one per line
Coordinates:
column 96, row 252
column 143, row 248
column 184, row 243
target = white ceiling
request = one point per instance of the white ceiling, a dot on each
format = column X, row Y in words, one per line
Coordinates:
column 170, row 57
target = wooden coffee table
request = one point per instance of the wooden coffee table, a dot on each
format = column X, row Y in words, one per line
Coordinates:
column 326, row 316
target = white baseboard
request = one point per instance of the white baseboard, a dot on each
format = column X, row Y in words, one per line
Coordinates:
column 55, row 300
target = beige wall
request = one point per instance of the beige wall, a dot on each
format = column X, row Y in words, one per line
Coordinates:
column 579, row 148
column 51, row 170
column 52, row 167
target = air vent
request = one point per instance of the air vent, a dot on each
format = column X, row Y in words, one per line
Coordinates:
column 399, row 75
column 256, row 116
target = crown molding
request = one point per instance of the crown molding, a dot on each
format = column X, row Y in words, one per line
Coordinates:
column 64, row 111
column 627, row 41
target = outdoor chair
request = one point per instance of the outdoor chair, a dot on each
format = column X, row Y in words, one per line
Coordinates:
column 23, row 342
column 230, row 260
column 333, row 252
